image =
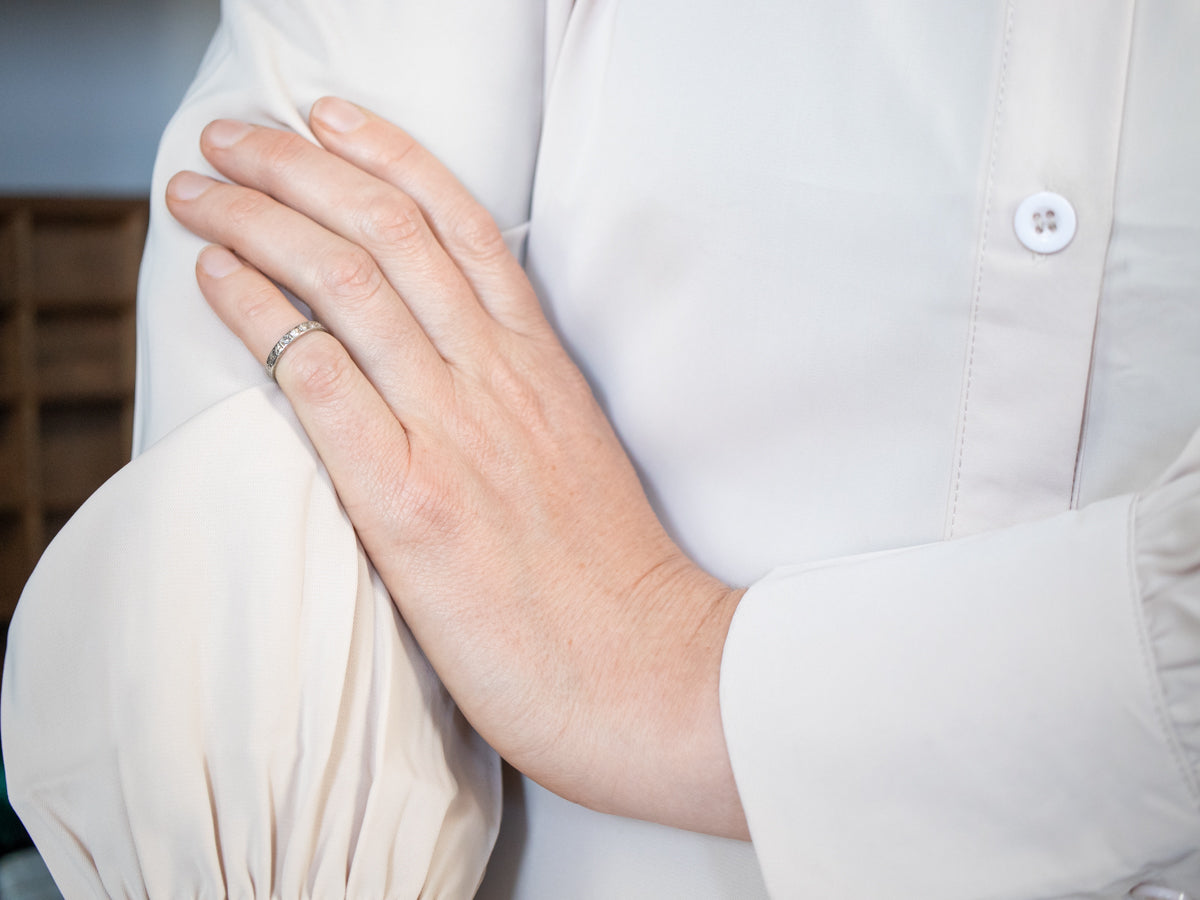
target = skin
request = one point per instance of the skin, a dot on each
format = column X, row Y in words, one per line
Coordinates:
column 484, row 481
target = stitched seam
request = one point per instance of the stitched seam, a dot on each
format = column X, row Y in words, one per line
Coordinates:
column 977, row 300
column 1085, row 430
column 550, row 75
column 1154, row 684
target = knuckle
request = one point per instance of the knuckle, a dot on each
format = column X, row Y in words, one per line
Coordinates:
column 431, row 507
column 393, row 221
column 281, row 151
column 397, row 157
column 245, row 208
column 319, row 372
column 257, row 302
column 511, row 379
column 351, row 276
column 476, row 232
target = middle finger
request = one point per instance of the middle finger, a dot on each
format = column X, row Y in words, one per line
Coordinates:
column 364, row 210
column 339, row 280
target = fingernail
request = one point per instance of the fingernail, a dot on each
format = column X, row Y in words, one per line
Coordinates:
column 188, row 185
column 224, row 133
column 337, row 114
column 218, row 262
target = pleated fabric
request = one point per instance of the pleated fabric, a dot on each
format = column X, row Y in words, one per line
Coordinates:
column 208, row 691
column 1167, row 559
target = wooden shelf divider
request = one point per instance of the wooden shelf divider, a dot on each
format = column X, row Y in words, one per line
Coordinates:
column 68, row 283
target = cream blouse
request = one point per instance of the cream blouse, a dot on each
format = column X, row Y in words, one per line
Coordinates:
column 896, row 307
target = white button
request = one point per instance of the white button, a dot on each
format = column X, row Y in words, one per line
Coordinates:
column 1156, row 892
column 1045, row 222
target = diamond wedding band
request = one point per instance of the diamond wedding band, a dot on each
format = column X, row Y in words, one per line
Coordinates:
column 287, row 340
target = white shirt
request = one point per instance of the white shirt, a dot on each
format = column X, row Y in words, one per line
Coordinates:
column 782, row 240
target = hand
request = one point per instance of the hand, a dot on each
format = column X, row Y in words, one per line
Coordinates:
column 485, row 483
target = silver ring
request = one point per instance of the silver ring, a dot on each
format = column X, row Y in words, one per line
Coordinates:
column 286, row 341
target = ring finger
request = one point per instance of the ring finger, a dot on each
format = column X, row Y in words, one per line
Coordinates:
column 359, row 439
column 366, row 211
column 339, row 280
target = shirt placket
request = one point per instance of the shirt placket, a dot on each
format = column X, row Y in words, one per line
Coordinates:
column 1047, row 217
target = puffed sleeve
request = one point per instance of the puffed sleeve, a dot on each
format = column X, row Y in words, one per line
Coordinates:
column 465, row 77
column 1007, row 716
column 208, row 692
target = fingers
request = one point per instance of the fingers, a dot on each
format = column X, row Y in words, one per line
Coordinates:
column 338, row 279
column 360, row 441
column 372, row 214
column 365, row 211
column 462, row 225
column 385, row 245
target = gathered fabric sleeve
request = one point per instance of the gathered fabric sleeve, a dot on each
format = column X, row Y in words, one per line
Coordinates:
column 464, row 77
column 1011, row 715
column 208, row 692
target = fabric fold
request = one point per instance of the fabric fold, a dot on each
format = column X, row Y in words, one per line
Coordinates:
column 1167, row 560
column 209, row 693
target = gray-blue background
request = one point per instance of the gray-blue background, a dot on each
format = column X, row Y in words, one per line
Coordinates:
column 86, row 87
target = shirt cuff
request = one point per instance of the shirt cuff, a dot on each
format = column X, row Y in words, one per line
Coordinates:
column 975, row 718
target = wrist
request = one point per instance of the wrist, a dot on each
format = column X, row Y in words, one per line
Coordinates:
column 657, row 746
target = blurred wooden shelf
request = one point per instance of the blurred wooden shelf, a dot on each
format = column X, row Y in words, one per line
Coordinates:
column 68, row 283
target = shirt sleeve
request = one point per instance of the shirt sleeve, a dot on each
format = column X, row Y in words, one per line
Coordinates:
column 465, row 77
column 207, row 691
column 1010, row 715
